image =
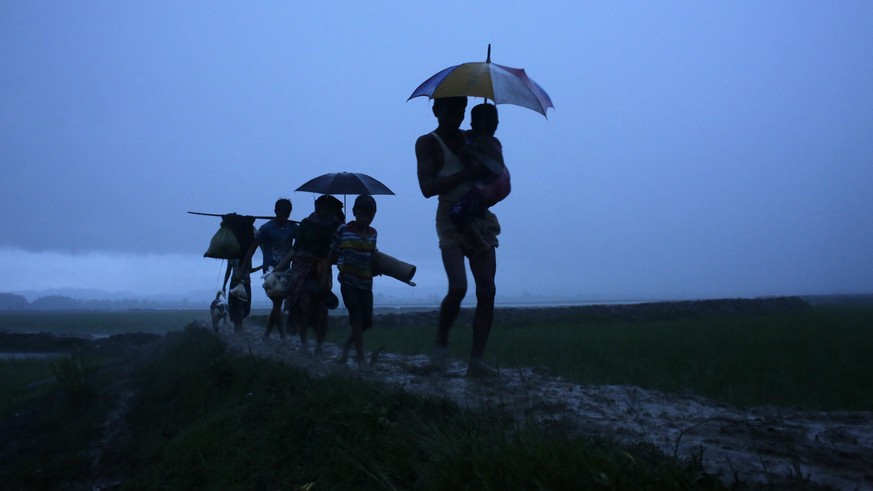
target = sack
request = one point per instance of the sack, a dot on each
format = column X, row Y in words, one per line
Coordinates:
column 223, row 245
column 277, row 285
column 239, row 292
column 233, row 238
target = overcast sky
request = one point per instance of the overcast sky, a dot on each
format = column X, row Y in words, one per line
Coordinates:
column 696, row 149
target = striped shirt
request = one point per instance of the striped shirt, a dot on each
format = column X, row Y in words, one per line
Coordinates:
column 354, row 255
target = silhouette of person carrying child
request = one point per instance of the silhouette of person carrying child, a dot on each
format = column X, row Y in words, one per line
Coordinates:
column 443, row 172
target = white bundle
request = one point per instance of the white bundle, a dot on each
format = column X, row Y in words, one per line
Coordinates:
column 239, row 292
column 277, row 284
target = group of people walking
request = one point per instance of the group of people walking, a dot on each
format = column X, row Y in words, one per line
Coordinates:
column 464, row 169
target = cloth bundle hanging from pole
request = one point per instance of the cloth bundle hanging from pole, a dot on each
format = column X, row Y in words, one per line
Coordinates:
column 234, row 237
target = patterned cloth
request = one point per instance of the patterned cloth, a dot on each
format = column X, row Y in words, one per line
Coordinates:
column 314, row 236
column 310, row 271
column 451, row 236
column 355, row 255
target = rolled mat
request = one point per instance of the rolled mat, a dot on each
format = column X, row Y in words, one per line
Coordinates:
column 393, row 267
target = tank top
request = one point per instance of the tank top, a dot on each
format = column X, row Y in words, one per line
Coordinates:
column 452, row 164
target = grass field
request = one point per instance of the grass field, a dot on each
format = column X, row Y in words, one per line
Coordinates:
column 101, row 323
column 204, row 419
column 817, row 358
column 23, row 378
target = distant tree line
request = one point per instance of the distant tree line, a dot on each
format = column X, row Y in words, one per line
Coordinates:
column 12, row 301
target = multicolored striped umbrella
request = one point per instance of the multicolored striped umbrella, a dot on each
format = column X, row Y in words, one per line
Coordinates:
column 501, row 84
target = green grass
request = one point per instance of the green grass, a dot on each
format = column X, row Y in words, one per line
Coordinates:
column 46, row 431
column 207, row 419
column 16, row 377
column 100, row 322
column 816, row 359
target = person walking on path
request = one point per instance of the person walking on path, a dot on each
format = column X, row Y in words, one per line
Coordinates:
column 443, row 173
column 353, row 247
column 237, row 308
column 275, row 239
column 311, row 296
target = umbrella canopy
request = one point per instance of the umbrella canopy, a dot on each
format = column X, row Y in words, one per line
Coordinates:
column 345, row 183
column 501, row 84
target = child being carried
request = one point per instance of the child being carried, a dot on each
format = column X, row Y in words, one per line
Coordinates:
column 484, row 150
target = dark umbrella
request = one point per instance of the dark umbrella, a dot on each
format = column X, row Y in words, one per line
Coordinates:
column 345, row 183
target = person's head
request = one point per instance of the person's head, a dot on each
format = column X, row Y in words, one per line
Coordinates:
column 282, row 209
column 364, row 209
column 449, row 111
column 483, row 119
column 327, row 206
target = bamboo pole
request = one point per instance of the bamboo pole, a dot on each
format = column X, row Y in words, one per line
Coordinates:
column 221, row 215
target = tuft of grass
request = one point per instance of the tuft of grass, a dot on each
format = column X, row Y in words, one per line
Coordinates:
column 45, row 437
column 22, row 380
column 76, row 375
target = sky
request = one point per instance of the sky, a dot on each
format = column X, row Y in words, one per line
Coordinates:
column 696, row 149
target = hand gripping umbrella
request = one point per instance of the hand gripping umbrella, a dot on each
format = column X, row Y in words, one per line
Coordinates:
column 501, row 84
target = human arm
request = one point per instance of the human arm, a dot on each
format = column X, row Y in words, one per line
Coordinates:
column 428, row 155
column 226, row 276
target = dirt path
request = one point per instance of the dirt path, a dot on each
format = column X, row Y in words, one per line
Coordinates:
column 764, row 445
